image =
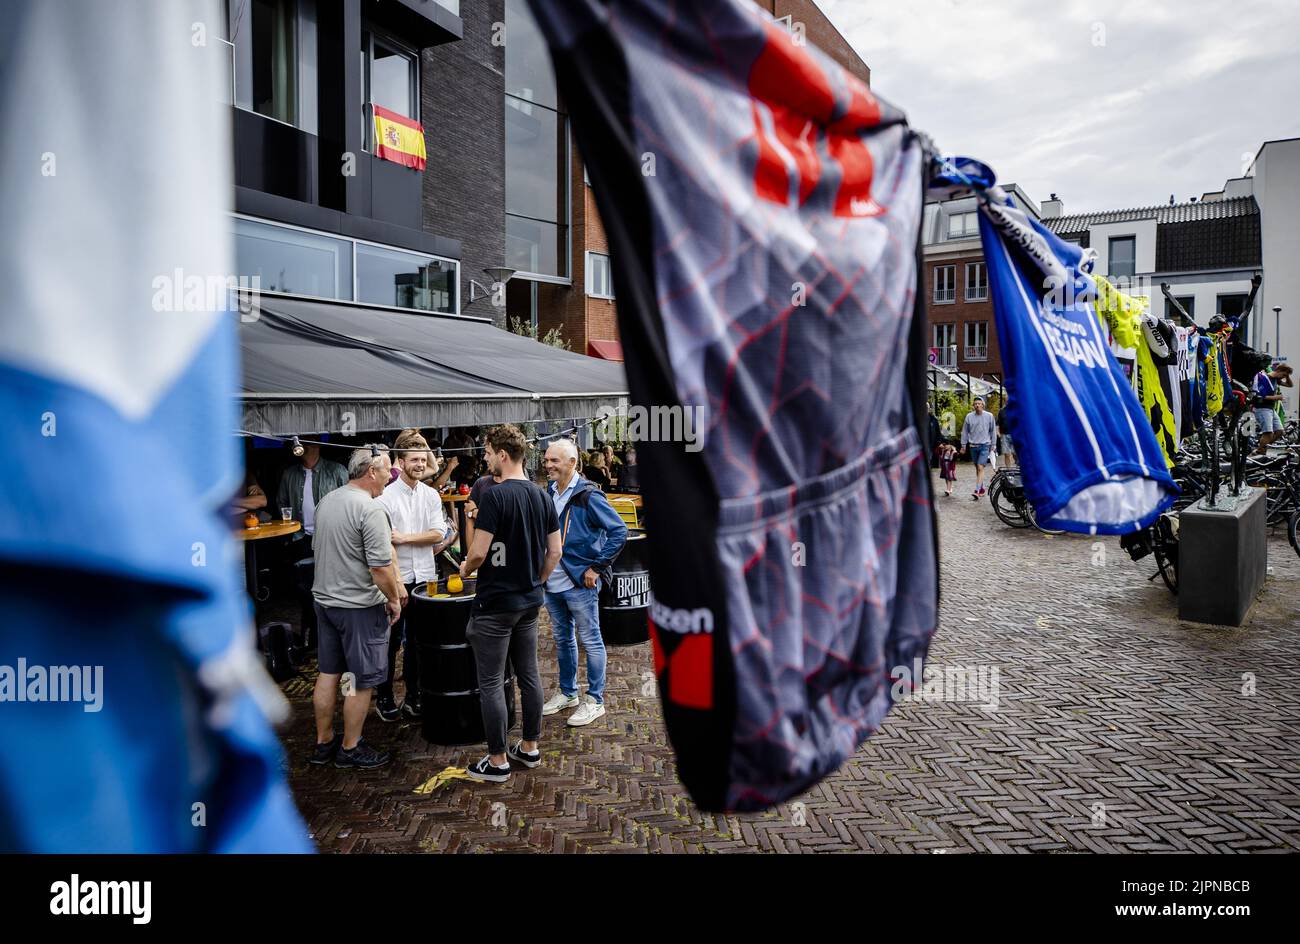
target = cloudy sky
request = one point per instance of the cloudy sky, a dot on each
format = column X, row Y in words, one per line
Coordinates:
column 1108, row 103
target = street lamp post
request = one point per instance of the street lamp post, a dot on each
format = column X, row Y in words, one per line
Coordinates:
column 1277, row 330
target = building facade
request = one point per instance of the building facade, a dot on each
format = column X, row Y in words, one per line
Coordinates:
column 319, row 211
column 959, row 311
column 321, row 207
column 1207, row 251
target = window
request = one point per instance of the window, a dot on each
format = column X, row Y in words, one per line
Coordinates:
column 405, row 279
column 945, row 284
column 945, row 344
column 977, row 341
column 303, row 262
column 1189, row 305
column 537, row 153
column 600, row 283
column 977, row 282
column 391, row 75
column 1121, row 260
column 293, row 260
column 275, row 59
column 961, row 225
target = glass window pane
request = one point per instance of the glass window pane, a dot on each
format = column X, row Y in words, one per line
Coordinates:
column 532, row 246
column 405, row 279
column 289, row 260
column 391, row 80
column 275, row 62
column 535, row 175
column 528, row 62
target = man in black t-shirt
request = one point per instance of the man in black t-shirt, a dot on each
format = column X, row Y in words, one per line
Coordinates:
column 516, row 546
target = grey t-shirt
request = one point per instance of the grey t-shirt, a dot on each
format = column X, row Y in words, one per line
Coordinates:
column 978, row 428
column 352, row 535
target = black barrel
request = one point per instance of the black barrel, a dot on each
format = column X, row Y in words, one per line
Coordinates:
column 449, row 697
column 625, row 603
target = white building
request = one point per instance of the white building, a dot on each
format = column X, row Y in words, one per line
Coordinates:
column 1209, row 250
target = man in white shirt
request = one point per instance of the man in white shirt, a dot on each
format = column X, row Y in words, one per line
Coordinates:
column 415, row 510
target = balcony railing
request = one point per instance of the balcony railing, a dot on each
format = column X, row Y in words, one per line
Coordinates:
column 980, row 353
column 979, row 293
column 945, row 295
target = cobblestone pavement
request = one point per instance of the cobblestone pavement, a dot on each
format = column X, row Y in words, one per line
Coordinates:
column 1117, row 728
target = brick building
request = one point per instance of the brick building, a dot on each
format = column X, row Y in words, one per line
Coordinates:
column 959, row 310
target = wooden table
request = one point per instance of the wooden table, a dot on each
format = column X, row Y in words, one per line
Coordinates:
column 275, row 529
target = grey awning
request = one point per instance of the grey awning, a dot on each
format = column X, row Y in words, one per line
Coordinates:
column 306, row 363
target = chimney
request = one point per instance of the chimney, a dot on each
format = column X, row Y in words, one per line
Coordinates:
column 1052, row 208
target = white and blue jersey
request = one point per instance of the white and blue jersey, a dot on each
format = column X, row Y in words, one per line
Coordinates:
column 1089, row 460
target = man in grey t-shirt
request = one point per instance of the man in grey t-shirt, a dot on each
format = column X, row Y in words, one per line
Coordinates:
column 977, row 437
column 358, row 595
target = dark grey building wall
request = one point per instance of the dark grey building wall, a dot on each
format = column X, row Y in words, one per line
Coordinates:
column 462, row 102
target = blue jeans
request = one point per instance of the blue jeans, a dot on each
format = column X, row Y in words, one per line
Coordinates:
column 578, row 607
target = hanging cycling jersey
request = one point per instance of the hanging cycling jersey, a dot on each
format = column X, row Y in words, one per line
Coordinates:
column 1089, row 460
column 1126, row 317
column 763, row 211
column 1186, row 370
column 1214, row 376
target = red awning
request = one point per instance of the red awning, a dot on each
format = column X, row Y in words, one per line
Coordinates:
column 609, row 350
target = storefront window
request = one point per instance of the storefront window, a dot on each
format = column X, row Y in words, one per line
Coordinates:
column 293, row 261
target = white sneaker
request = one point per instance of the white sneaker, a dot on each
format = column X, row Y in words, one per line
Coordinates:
column 557, row 701
column 587, row 712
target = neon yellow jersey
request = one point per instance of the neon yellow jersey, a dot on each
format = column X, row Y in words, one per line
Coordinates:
column 1122, row 315
column 1213, row 378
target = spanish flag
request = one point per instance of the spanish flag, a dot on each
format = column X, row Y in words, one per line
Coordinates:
column 398, row 138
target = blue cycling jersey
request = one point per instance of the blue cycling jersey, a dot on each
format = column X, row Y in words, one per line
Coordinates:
column 1089, row 460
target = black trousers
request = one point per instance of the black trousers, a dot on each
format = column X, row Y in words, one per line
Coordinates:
column 411, row 665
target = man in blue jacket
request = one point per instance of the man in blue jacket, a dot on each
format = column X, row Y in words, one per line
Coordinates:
column 593, row 535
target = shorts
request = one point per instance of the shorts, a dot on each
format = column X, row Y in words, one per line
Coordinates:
column 1007, row 447
column 353, row 640
column 1267, row 420
column 979, row 453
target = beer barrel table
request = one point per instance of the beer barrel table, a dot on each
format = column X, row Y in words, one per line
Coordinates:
column 449, row 696
column 625, row 603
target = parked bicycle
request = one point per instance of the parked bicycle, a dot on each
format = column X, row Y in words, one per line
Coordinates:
column 1007, row 496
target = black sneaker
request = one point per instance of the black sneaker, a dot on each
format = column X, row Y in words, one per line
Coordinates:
column 363, row 757
column 386, row 708
column 411, row 708
column 516, row 752
column 324, row 753
column 485, row 772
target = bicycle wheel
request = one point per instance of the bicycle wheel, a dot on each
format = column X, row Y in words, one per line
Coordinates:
column 1033, row 519
column 1291, row 527
column 1166, row 553
column 1004, row 507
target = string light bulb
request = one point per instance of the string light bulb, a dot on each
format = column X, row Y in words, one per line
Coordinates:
column 298, row 450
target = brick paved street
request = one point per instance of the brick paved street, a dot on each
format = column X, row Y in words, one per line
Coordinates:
column 1118, row 728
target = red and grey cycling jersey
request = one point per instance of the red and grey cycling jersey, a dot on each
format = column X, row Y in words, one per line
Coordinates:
column 762, row 208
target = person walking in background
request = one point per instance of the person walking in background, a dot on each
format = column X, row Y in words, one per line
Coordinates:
column 1267, row 397
column 415, row 510
column 948, row 465
column 593, row 534
column 358, row 597
column 1006, row 448
column 516, row 547
column 977, row 437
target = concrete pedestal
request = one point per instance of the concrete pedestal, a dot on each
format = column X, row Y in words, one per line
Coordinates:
column 1222, row 560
